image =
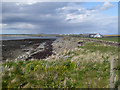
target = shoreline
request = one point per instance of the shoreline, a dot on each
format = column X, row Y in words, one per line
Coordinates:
column 9, row 38
column 27, row 49
column 14, row 48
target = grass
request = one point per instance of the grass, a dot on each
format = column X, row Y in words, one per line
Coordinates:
column 81, row 69
column 87, row 66
column 38, row 74
column 93, row 47
column 64, row 74
column 115, row 39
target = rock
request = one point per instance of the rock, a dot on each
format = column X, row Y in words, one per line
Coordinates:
column 59, row 47
column 25, row 50
column 80, row 42
column 38, row 51
column 22, row 46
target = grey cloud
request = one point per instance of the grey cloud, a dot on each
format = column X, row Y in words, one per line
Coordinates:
column 36, row 12
column 45, row 18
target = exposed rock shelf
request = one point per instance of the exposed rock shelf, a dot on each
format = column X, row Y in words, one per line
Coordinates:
column 24, row 49
column 38, row 51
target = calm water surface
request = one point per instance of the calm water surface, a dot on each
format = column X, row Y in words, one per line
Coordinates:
column 24, row 37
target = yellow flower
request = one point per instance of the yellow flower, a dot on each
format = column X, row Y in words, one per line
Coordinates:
column 8, row 88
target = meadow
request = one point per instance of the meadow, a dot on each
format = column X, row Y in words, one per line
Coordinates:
column 87, row 66
column 115, row 39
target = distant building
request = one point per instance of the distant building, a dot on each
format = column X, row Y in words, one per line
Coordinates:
column 98, row 35
column 92, row 35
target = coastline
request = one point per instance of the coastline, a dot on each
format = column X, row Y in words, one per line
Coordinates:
column 26, row 49
column 11, row 49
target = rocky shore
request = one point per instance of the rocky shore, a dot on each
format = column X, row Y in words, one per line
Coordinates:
column 35, row 48
column 27, row 49
column 24, row 49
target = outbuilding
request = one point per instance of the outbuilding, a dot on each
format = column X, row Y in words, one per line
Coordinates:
column 98, row 35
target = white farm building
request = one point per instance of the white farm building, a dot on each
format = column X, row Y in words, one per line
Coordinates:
column 98, row 35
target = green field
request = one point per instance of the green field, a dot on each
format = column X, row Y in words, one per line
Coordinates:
column 115, row 39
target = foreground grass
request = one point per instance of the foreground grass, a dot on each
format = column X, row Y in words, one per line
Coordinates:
column 39, row 74
column 84, row 67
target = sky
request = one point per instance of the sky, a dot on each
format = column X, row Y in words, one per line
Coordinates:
column 59, row 18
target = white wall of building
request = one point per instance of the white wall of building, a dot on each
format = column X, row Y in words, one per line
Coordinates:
column 98, row 35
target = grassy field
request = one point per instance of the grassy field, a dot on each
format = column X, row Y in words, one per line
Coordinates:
column 94, row 47
column 87, row 66
column 115, row 39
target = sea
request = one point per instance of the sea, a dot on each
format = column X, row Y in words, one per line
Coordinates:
column 24, row 37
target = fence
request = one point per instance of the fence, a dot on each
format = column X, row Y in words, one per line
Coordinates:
column 112, row 74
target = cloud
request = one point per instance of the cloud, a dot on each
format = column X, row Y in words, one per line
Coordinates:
column 28, row 2
column 19, row 26
column 106, row 5
column 56, row 18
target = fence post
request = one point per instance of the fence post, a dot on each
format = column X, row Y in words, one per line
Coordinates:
column 112, row 72
column 119, row 71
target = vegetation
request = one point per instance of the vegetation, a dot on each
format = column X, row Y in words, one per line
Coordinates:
column 87, row 66
column 115, row 39
column 93, row 47
column 39, row 74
